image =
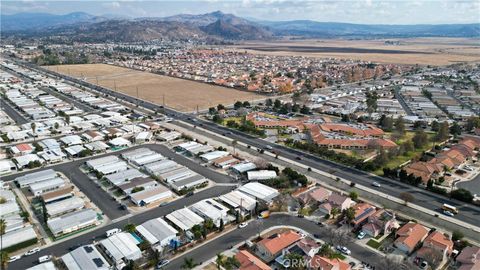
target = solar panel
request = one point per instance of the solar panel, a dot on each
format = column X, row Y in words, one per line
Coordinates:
column 88, row 249
column 98, row 262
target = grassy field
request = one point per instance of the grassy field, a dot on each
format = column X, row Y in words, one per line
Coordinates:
column 399, row 160
column 423, row 51
column 182, row 95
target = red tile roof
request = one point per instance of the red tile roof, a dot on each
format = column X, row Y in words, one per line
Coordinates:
column 281, row 241
column 249, row 262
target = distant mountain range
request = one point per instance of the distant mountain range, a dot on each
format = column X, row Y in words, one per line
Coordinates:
column 211, row 26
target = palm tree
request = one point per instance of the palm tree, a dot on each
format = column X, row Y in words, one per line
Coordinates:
column 335, row 211
column 219, row 260
column 188, row 263
column 3, row 254
column 33, row 126
column 234, row 143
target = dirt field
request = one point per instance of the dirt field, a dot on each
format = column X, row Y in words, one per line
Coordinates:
column 183, row 95
column 423, row 51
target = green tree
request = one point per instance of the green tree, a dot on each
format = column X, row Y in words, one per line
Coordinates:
column 217, row 119
column 462, row 195
column 325, row 251
column 246, row 104
column 237, row 105
column 220, row 107
column 386, row 123
column 212, row 110
column 420, row 139
column 130, row 227
column 222, row 226
column 208, row 224
column 277, row 104
column 269, row 102
column 350, row 214
column 435, row 126
column 371, row 101
column 457, row 235
column 455, row 129
column 33, row 126
column 219, row 260
column 334, row 212
column 443, row 132
column 400, row 126
column 472, row 122
column 189, row 263
column 3, row 253
column 382, row 157
column 353, row 195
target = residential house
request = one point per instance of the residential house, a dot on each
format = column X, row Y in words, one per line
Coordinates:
column 381, row 222
column 269, row 248
column 437, row 241
column 323, row 263
column 469, row 258
column 248, row 261
column 410, row 236
column 335, row 200
column 362, row 212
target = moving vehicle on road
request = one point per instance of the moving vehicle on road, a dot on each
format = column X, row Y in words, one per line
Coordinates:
column 448, row 213
column 376, row 184
column 32, row 251
column 45, row 258
column 113, row 232
column 450, row 208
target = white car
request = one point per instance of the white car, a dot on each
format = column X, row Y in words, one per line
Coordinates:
column 45, row 258
column 14, row 258
column 344, row 250
column 361, row 235
column 376, row 184
column 243, row 225
column 162, row 264
column 32, row 251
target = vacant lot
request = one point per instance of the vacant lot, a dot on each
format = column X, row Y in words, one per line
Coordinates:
column 423, row 51
column 183, row 95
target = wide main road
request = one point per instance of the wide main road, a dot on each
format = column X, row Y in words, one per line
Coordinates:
column 468, row 213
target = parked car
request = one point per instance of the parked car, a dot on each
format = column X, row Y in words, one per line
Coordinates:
column 344, row 250
column 161, row 264
column 45, row 258
column 113, row 232
column 14, row 258
column 361, row 235
column 32, row 251
column 243, row 225
column 424, row 265
column 376, row 184
column 268, row 147
column 189, row 194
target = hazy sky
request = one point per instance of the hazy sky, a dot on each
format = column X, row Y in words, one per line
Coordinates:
column 354, row 11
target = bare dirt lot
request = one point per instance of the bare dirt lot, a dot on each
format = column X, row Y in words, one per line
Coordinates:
column 183, row 95
column 422, row 51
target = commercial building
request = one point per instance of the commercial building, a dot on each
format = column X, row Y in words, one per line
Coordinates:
column 259, row 191
column 184, row 219
column 72, row 222
column 85, row 258
column 151, row 195
column 157, row 232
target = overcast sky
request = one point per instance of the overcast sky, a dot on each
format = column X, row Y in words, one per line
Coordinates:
column 353, row 11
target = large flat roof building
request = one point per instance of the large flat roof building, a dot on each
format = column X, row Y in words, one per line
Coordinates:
column 259, row 191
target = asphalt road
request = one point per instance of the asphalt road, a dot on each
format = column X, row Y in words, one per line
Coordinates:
column 105, row 201
column 16, row 116
column 468, row 213
column 61, row 248
column 225, row 242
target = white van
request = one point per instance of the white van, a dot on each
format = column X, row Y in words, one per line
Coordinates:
column 45, row 258
column 112, row 232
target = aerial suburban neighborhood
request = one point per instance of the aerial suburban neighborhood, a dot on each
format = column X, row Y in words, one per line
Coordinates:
column 210, row 141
